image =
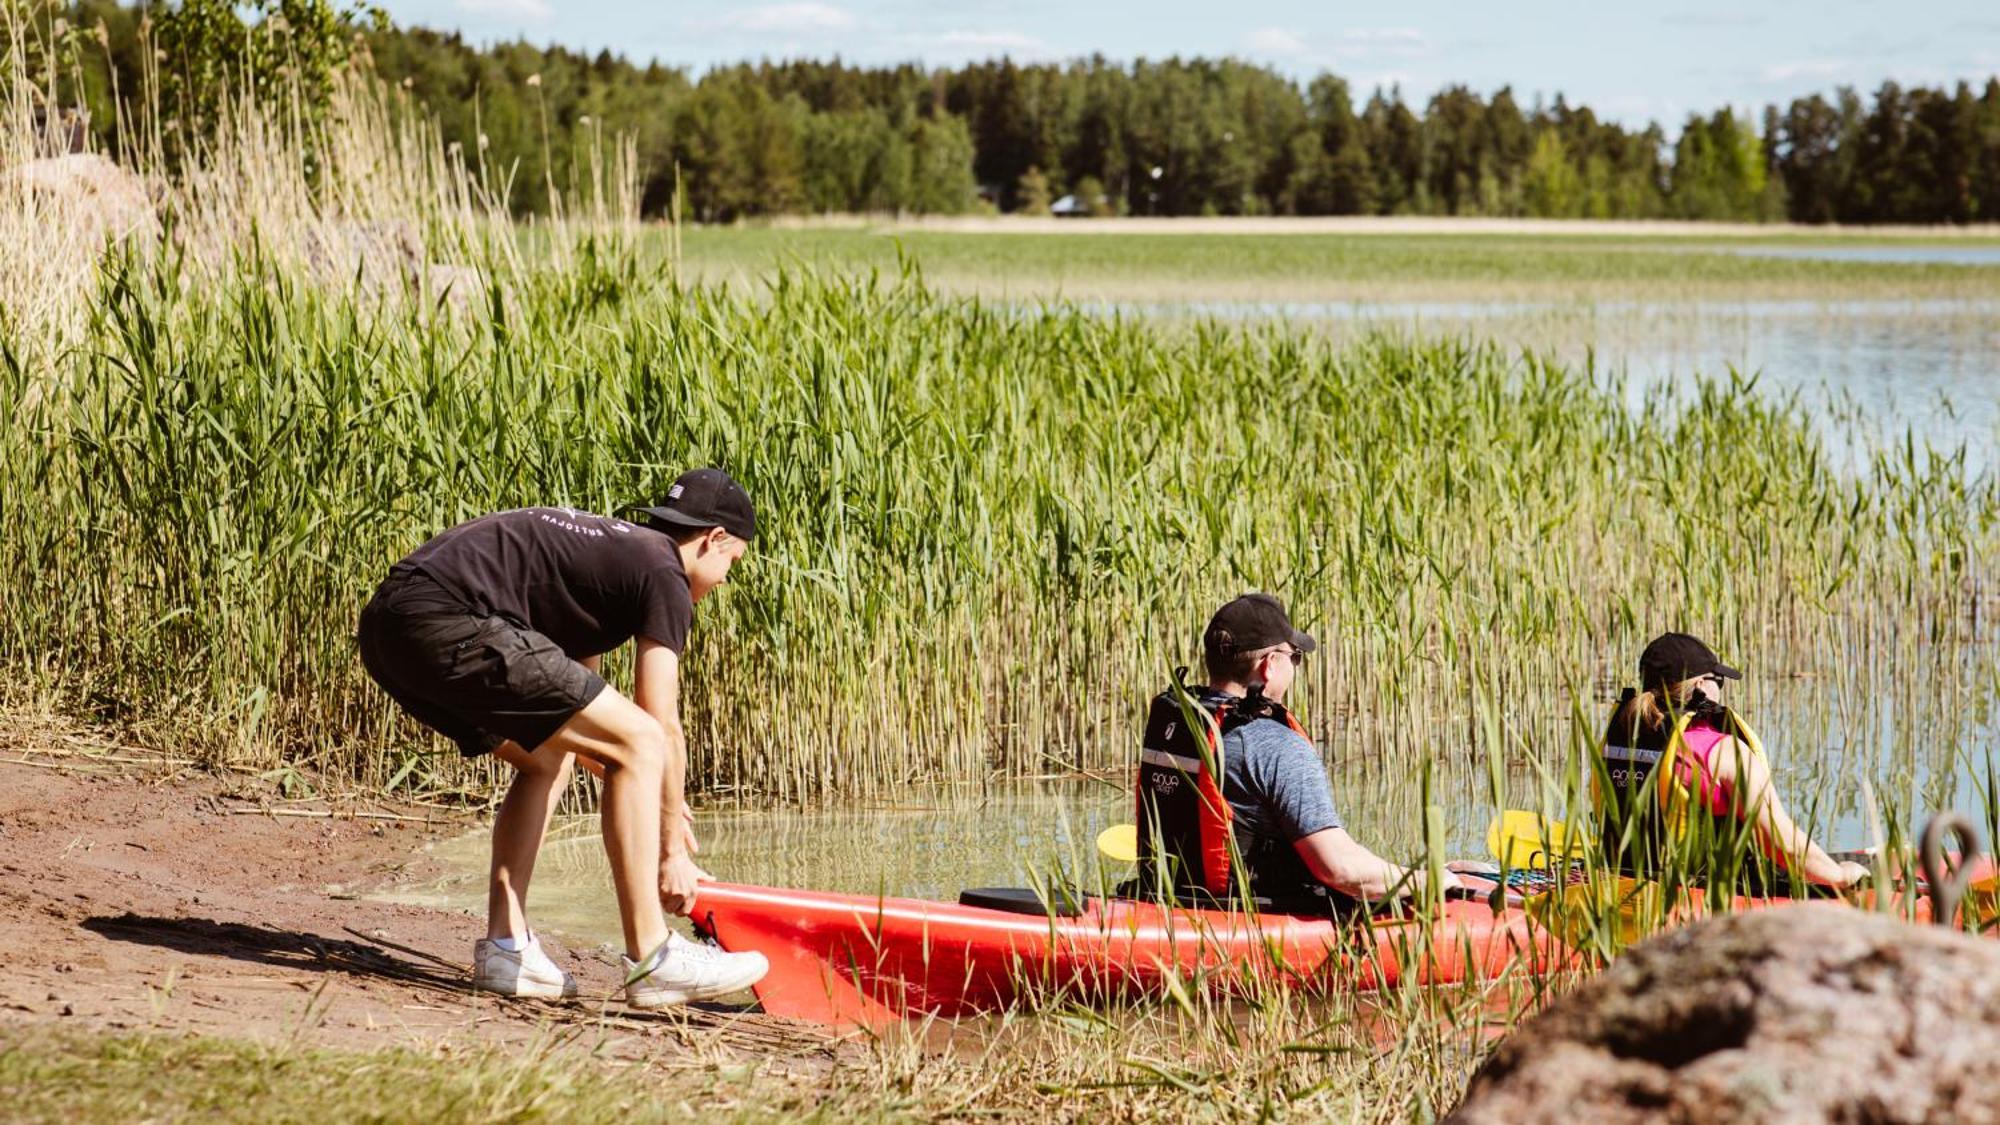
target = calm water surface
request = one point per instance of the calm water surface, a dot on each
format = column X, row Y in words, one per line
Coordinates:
column 1947, row 255
column 932, row 845
column 941, row 841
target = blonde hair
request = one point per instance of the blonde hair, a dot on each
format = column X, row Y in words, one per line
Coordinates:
column 1647, row 710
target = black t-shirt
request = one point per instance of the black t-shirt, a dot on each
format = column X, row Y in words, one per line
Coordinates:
column 587, row 582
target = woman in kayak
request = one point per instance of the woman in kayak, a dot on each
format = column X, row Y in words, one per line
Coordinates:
column 1684, row 788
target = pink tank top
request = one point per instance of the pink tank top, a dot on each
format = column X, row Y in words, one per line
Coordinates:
column 1692, row 769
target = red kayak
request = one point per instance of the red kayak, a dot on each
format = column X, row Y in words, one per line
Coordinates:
column 868, row 961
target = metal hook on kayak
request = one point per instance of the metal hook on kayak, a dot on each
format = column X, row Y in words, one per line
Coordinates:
column 1946, row 883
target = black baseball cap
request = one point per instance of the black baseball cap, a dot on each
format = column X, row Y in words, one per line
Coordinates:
column 701, row 498
column 1251, row 622
column 1673, row 657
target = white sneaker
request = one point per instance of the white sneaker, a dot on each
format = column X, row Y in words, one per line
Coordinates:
column 681, row 970
column 526, row 973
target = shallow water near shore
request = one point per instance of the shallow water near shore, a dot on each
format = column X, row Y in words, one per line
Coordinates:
column 942, row 840
column 932, row 845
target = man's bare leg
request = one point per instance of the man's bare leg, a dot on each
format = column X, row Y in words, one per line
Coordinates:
column 518, row 832
column 616, row 734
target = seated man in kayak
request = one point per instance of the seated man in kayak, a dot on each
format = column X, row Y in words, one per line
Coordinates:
column 1245, row 796
column 1684, row 787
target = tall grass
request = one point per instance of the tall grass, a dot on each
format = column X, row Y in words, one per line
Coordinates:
column 991, row 532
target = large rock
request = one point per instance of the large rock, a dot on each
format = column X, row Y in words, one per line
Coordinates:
column 1813, row 1012
column 88, row 197
column 388, row 256
column 379, row 255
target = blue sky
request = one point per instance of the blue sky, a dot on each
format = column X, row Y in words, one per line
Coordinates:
column 1630, row 62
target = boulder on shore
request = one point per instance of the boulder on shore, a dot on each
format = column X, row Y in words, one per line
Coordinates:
column 388, row 256
column 1814, row 1012
column 89, row 196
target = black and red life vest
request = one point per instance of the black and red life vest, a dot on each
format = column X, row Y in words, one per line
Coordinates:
column 1186, row 844
column 1646, row 810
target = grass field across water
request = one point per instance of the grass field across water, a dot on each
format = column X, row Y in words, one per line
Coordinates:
column 1216, row 264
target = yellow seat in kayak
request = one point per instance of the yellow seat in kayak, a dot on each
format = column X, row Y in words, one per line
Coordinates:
column 1522, row 839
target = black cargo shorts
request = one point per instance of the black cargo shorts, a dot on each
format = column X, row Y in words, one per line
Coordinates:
column 477, row 679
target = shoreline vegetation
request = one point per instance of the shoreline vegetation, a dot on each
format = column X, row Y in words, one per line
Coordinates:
column 1272, row 1056
column 1004, row 516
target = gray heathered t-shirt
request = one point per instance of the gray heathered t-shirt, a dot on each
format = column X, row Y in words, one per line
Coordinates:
column 1278, row 792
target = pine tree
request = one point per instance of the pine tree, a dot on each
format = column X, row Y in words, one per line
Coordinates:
column 1032, row 192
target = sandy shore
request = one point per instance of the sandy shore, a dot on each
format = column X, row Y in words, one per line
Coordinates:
column 142, row 895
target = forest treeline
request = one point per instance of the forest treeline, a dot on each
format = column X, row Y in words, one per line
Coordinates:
column 1172, row 137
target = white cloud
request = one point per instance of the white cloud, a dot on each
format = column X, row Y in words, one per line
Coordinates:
column 1274, row 41
column 1404, row 37
column 1358, row 43
column 965, row 45
column 1804, row 68
column 771, row 18
column 507, row 9
column 988, row 41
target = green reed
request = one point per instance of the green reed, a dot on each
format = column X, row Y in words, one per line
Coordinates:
column 990, row 533
column 992, row 530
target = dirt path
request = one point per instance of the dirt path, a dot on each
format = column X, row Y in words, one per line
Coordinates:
column 141, row 895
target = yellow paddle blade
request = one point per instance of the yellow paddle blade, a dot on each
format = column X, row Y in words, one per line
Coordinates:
column 1119, row 843
column 1519, row 838
column 1981, row 904
column 1602, row 916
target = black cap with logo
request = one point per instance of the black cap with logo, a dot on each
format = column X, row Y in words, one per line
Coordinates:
column 1252, row 622
column 702, row 498
column 1673, row 657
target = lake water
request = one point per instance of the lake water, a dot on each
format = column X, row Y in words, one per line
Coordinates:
column 941, row 841
column 1907, row 254
column 933, row 845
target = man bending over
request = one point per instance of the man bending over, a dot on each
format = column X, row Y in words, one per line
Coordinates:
column 491, row 634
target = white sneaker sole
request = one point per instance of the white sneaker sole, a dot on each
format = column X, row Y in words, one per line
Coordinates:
column 648, row 999
column 524, row 989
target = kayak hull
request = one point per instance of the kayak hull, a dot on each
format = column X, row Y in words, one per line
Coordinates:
column 869, row 961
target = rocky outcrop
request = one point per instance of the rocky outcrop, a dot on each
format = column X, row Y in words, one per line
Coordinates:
column 88, row 196
column 1814, row 1012
column 388, row 257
